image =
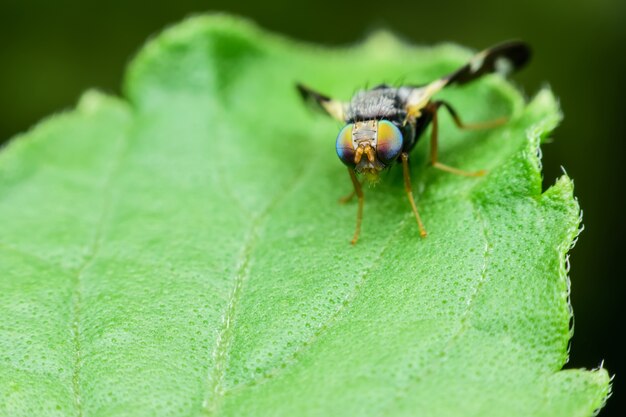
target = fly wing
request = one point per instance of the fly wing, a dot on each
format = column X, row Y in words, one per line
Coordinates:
column 502, row 58
column 333, row 108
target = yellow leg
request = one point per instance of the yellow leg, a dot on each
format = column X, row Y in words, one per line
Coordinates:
column 347, row 198
column 359, row 214
column 469, row 126
column 409, row 193
column 434, row 142
column 457, row 171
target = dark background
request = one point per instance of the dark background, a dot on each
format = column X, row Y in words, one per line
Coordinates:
column 52, row 51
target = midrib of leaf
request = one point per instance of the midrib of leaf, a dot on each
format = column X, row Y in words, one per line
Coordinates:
column 223, row 341
column 214, row 392
column 332, row 319
column 463, row 319
column 336, row 316
column 92, row 253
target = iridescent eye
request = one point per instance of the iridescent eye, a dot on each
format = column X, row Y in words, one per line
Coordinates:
column 345, row 150
column 389, row 141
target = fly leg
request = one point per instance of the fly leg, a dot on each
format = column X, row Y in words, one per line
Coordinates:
column 434, row 142
column 347, row 198
column 409, row 193
column 359, row 214
column 470, row 126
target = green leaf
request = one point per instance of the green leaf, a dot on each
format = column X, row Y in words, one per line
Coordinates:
column 181, row 252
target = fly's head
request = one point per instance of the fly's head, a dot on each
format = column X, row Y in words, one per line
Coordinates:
column 369, row 146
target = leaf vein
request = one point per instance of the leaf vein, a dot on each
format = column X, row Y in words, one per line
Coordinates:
column 215, row 392
column 464, row 326
column 332, row 319
column 46, row 262
column 77, row 279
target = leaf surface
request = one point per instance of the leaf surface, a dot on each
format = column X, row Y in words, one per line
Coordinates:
column 181, row 251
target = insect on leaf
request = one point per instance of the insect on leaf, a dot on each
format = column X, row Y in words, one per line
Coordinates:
column 180, row 251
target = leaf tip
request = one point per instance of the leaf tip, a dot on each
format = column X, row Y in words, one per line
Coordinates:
column 544, row 107
column 604, row 384
column 384, row 41
column 91, row 101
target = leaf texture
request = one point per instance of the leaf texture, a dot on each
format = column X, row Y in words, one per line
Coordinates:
column 181, row 251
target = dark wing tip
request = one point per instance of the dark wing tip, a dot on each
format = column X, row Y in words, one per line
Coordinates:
column 302, row 89
column 309, row 94
column 513, row 54
column 518, row 52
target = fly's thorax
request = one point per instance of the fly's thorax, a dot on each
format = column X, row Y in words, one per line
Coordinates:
column 369, row 146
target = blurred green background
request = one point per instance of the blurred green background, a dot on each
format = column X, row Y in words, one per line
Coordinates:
column 52, row 51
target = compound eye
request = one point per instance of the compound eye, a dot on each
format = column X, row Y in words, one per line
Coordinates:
column 345, row 150
column 389, row 141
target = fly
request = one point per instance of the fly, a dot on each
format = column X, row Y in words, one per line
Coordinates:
column 384, row 124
